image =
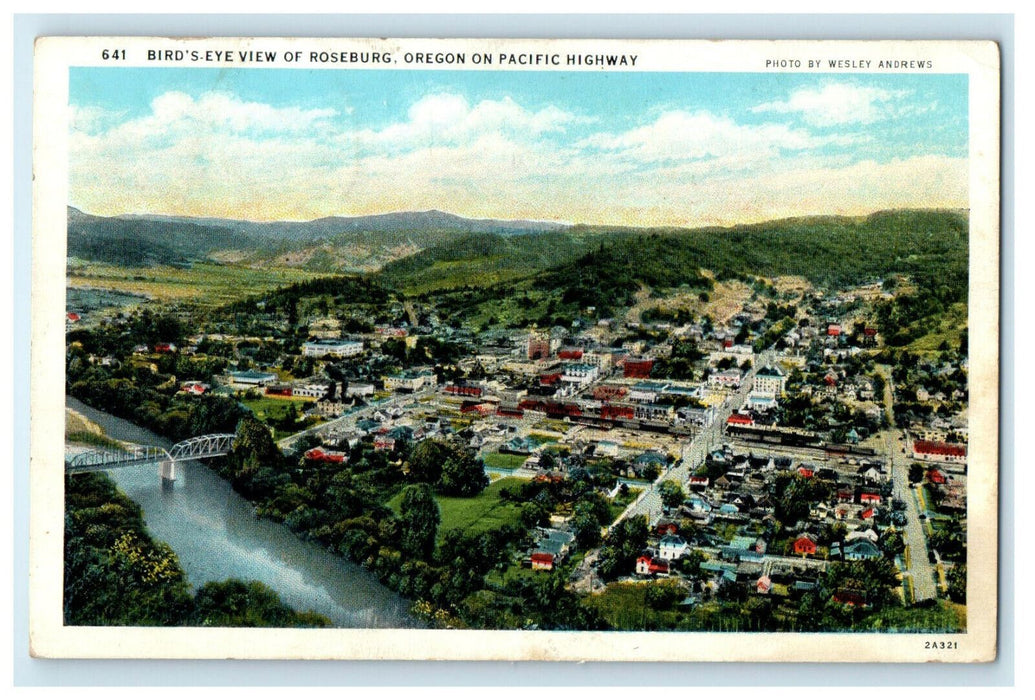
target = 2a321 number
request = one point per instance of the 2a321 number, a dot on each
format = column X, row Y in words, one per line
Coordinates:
column 113, row 54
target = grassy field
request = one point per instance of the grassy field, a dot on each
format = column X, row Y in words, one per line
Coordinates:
column 499, row 460
column 207, row 284
column 945, row 327
column 264, row 408
column 474, row 515
column 620, row 502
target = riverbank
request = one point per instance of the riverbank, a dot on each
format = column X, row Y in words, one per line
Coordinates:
column 216, row 535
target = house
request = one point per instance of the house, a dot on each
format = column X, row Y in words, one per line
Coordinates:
column 195, row 388
column 805, row 545
column 869, row 498
column 649, row 566
column 867, row 534
column 860, row 549
column 698, row 483
column 542, row 561
column 764, row 585
column 672, row 547
column 850, row 597
column 384, row 443
column 319, row 454
column 935, row 477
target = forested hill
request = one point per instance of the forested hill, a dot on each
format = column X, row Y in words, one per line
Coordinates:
column 332, row 244
column 825, row 250
column 603, row 267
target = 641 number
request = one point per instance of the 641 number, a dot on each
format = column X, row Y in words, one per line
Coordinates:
column 113, row 54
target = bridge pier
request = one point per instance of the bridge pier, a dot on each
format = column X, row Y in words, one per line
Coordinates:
column 167, row 470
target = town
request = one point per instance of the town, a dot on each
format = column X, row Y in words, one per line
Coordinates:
column 763, row 461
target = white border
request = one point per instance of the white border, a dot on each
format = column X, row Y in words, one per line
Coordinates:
column 51, row 639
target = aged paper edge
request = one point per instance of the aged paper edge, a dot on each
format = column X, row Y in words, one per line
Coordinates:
column 50, row 638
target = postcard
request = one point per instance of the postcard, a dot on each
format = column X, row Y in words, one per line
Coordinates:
column 515, row 349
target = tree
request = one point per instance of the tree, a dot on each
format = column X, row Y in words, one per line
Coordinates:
column 426, row 460
column 916, row 473
column 463, row 474
column 672, row 495
column 958, row 583
column 623, row 544
column 449, row 466
column 234, row 603
column 420, row 519
column 253, row 448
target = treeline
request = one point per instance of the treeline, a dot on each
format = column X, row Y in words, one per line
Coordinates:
column 828, row 251
column 929, row 247
column 116, row 574
column 607, row 278
column 343, row 506
column 338, row 289
column 151, row 399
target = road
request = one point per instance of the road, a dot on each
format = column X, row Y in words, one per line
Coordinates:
column 349, row 420
column 920, row 569
column 649, row 503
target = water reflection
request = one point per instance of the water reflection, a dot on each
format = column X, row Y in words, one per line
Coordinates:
column 215, row 534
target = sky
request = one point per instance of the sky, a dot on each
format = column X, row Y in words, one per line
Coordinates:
column 643, row 149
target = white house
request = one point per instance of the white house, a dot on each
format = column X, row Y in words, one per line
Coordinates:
column 672, row 547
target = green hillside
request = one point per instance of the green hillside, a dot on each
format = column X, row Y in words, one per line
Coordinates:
column 930, row 247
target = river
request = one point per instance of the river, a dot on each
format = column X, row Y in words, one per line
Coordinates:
column 216, row 536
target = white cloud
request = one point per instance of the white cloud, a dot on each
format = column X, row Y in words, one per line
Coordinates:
column 449, row 119
column 215, row 155
column 686, row 136
column 836, row 104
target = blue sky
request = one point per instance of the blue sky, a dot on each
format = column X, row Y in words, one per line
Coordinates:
column 628, row 148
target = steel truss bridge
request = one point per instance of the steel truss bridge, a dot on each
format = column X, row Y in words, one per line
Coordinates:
column 201, row 447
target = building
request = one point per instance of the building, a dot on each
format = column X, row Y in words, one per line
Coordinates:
column 330, row 347
column 805, row 545
column 320, row 454
column 579, row 373
column 729, row 379
column 413, row 380
column 945, row 452
column 649, row 566
column 359, row 389
column 537, row 345
column 637, row 367
column 312, row 391
column 462, row 389
column 672, row 547
column 251, row 378
column 769, row 380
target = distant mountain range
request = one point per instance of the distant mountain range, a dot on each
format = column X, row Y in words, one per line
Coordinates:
column 594, row 265
column 331, row 244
